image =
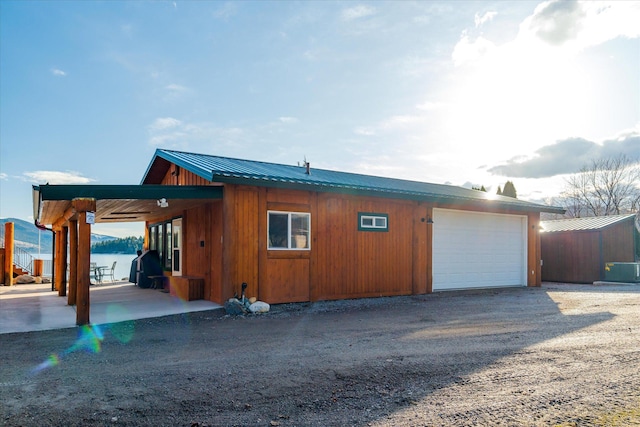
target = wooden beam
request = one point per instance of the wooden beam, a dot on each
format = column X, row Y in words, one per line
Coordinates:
column 69, row 213
column 8, row 253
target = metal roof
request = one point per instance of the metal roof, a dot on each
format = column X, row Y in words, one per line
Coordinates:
column 248, row 172
column 582, row 224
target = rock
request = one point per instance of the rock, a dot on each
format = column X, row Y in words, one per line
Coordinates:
column 234, row 307
column 259, row 307
column 24, row 279
column 252, row 300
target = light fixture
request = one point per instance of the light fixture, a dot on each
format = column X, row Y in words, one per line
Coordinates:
column 163, row 203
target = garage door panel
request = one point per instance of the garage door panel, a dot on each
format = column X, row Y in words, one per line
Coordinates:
column 478, row 250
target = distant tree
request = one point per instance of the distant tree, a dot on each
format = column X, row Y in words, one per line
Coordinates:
column 509, row 190
column 481, row 188
column 499, row 192
column 609, row 186
column 128, row 245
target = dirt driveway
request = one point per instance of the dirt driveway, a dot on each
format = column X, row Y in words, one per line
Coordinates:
column 563, row 355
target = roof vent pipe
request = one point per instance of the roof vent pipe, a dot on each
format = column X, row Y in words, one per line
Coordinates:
column 308, row 165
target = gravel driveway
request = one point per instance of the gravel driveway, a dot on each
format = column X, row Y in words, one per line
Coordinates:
column 560, row 355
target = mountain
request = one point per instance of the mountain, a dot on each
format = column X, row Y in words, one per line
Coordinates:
column 26, row 236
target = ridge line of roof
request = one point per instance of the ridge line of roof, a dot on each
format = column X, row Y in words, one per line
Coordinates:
column 175, row 156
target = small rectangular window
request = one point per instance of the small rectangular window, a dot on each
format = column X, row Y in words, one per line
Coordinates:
column 373, row 221
column 289, row 230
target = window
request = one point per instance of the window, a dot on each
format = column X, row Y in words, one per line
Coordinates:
column 373, row 221
column 160, row 240
column 288, row 230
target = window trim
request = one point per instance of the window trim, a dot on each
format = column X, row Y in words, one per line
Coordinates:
column 374, row 216
column 289, row 233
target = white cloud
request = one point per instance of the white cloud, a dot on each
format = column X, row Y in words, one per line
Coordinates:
column 288, row 120
column 429, row 106
column 569, row 156
column 58, row 72
column 172, row 133
column 56, row 177
column 578, row 25
column 226, row 11
column 176, row 88
column 534, row 89
column 399, row 121
column 393, row 123
column 481, row 19
column 357, row 12
column 467, row 50
column 164, row 123
column 3, row 176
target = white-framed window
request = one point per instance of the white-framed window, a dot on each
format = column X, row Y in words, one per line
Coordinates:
column 289, row 230
column 373, row 221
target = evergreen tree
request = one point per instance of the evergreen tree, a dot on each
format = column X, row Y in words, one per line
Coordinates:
column 499, row 192
column 481, row 188
column 128, row 245
column 510, row 190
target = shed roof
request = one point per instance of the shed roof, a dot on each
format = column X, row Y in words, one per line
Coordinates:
column 582, row 224
column 249, row 172
column 119, row 203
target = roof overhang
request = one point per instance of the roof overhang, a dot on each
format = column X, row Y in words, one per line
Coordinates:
column 121, row 203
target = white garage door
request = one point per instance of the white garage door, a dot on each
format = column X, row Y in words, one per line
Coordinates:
column 478, row 250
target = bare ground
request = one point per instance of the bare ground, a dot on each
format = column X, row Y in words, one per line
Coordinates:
column 565, row 355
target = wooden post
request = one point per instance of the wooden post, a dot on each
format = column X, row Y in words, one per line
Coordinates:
column 62, row 278
column 38, row 267
column 82, row 206
column 8, row 253
column 73, row 262
column 57, row 266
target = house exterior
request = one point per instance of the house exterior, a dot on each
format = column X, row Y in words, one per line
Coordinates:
column 576, row 250
column 301, row 234
column 295, row 233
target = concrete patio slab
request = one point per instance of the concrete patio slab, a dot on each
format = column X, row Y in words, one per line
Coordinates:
column 25, row 308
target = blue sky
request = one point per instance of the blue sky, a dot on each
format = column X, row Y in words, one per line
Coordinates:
column 449, row 92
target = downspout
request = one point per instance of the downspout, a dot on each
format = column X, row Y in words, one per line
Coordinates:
column 37, row 205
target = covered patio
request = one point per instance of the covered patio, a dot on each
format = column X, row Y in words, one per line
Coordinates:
column 70, row 210
column 27, row 308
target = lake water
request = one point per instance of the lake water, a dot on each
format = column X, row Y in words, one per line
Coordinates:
column 123, row 262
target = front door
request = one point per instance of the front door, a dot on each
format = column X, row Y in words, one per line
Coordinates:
column 176, row 247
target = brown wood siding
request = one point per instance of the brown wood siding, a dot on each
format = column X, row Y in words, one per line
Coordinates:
column 617, row 242
column 178, row 176
column 284, row 275
column 343, row 262
column 572, row 257
column 353, row 263
column 240, row 248
column 579, row 256
column 199, row 242
column 534, row 269
column 422, row 239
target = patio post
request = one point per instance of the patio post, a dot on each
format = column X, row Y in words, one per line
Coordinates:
column 82, row 206
column 73, row 261
column 7, row 268
column 62, row 272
